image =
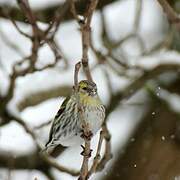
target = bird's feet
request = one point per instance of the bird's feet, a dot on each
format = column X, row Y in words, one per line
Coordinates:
column 86, row 135
column 84, row 153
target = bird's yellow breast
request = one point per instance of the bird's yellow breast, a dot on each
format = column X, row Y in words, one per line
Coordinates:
column 88, row 100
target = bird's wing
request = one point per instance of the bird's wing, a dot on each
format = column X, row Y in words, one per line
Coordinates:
column 60, row 111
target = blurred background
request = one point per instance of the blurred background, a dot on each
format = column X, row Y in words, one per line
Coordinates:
column 134, row 58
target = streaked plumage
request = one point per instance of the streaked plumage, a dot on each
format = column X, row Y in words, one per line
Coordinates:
column 66, row 128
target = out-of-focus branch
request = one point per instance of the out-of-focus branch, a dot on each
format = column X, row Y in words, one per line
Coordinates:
column 118, row 61
column 49, row 175
column 138, row 11
column 38, row 38
column 53, row 163
column 164, row 44
column 47, row 14
column 8, row 41
column 18, row 73
column 172, row 16
column 41, row 96
column 33, row 99
column 43, row 125
column 32, row 161
column 138, row 83
column 41, row 37
column 25, row 7
column 49, row 162
column 59, row 15
column 155, row 141
column 26, row 128
column 27, row 161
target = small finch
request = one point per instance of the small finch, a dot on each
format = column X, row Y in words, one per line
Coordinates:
column 67, row 127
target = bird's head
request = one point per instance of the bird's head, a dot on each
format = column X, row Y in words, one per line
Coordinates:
column 86, row 87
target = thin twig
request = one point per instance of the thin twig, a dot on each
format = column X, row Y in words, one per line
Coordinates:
column 107, row 155
column 76, row 71
column 25, row 7
column 97, row 156
column 50, row 161
column 138, row 12
column 58, row 17
column 8, row 41
column 74, row 12
column 86, row 37
column 26, row 128
column 43, row 125
column 19, row 30
column 172, row 16
column 86, row 133
column 86, row 42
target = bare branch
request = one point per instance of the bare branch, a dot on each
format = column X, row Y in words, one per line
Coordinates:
column 24, row 5
column 107, row 155
column 86, row 153
column 138, row 11
column 47, row 14
column 77, row 68
column 86, row 133
column 97, row 156
column 57, row 19
column 19, row 30
column 86, row 35
column 52, row 162
column 42, row 125
column 172, row 16
column 33, row 99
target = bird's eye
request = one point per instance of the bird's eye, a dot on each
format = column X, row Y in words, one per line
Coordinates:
column 84, row 88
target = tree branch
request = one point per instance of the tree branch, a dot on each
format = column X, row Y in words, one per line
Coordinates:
column 172, row 16
column 49, row 13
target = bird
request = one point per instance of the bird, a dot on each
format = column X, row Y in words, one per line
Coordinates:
column 67, row 126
